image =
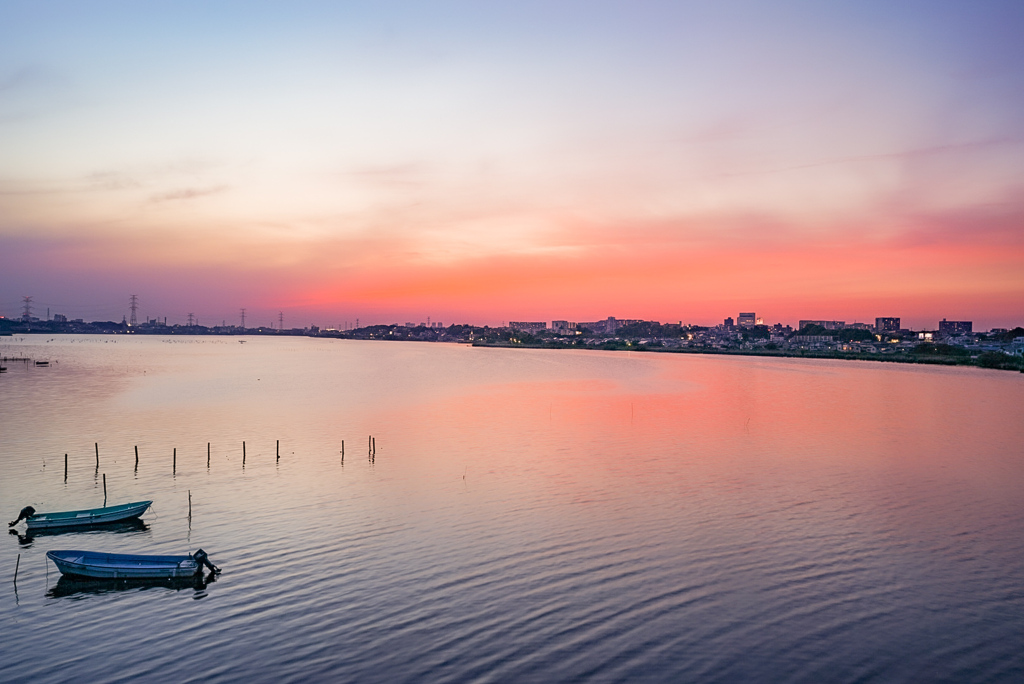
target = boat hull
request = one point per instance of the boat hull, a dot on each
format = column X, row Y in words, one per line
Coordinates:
column 87, row 517
column 93, row 565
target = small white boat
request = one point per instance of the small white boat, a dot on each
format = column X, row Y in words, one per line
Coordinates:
column 90, row 516
column 95, row 565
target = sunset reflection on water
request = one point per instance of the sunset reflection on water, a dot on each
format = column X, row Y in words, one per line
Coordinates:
column 525, row 513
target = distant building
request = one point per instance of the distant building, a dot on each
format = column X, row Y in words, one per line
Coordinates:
column 563, row 326
column 747, row 320
column 827, row 325
column 728, row 322
column 60, row 318
column 528, row 326
column 607, row 326
column 887, row 324
column 955, row 327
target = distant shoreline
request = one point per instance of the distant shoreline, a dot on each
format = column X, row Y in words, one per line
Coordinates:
column 1001, row 362
column 842, row 356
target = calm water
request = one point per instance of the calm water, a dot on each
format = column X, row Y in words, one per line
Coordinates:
column 529, row 515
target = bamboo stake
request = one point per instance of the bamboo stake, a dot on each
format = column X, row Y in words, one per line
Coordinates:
column 104, row 490
column 17, row 564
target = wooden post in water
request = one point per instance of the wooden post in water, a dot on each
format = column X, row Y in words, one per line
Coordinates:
column 136, row 457
column 243, row 454
column 97, row 455
column 207, row 455
column 190, row 504
column 104, row 490
column 373, row 445
column 174, row 463
column 278, row 450
column 65, row 467
column 17, row 564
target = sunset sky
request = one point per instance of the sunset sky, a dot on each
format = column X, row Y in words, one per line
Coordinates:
column 483, row 162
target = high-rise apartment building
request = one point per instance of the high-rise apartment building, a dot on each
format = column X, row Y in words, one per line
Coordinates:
column 747, row 320
column 887, row 324
column 955, row 327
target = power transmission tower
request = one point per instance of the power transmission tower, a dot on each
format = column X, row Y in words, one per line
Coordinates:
column 243, row 319
column 280, row 320
column 26, row 303
column 134, row 303
column 190, row 317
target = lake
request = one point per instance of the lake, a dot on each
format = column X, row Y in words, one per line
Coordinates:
column 514, row 515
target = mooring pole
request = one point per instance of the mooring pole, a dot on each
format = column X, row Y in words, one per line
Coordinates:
column 207, row 455
column 278, row 450
column 136, row 456
column 65, row 467
column 104, row 490
column 190, row 504
column 243, row 454
column 97, row 455
column 17, row 564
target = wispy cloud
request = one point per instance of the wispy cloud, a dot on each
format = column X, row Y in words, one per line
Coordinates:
column 187, row 193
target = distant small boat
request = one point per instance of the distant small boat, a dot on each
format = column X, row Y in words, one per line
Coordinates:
column 42, row 363
column 94, row 565
column 90, row 516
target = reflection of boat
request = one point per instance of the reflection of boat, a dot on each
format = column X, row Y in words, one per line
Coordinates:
column 95, row 565
column 67, row 586
column 91, row 516
column 124, row 527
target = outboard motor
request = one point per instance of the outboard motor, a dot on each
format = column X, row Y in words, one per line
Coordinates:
column 26, row 513
column 202, row 559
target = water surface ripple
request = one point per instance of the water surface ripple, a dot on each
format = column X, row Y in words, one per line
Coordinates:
column 526, row 516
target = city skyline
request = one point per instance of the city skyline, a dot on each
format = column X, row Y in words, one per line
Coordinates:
column 527, row 161
column 30, row 309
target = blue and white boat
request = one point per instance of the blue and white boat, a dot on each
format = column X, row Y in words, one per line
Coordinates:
column 96, row 565
column 90, row 516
